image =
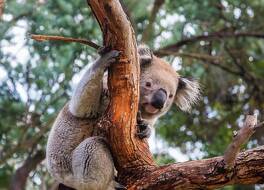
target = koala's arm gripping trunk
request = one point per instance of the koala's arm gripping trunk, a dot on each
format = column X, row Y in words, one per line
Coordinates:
column 129, row 152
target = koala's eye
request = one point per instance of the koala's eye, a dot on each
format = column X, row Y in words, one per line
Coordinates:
column 171, row 95
column 148, row 84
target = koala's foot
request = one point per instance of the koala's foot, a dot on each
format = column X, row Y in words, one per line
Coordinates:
column 143, row 128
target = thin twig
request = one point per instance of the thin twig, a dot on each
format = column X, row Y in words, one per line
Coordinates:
column 42, row 38
column 250, row 126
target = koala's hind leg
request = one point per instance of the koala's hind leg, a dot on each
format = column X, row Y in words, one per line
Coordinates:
column 92, row 165
column 85, row 101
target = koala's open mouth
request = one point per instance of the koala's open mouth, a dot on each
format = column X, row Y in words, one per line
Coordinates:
column 150, row 109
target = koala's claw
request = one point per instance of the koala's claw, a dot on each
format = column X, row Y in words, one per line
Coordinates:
column 144, row 131
column 108, row 58
column 120, row 187
column 111, row 56
column 103, row 50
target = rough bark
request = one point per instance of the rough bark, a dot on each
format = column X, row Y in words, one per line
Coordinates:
column 207, row 173
column 130, row 153
column 133, row 160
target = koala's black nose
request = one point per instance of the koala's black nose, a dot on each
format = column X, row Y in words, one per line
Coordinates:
column 159, row 99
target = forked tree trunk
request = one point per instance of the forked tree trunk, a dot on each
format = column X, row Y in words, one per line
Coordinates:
column 133, row 160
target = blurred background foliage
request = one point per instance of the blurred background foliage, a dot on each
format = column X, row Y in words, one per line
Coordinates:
column 219, row 42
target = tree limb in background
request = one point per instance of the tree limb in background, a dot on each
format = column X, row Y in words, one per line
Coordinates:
column 213, row 36
column 42, row 38
column 2, row 5
column 148, row 32
column 25, row 143
column 19, row 179
column 213, row 60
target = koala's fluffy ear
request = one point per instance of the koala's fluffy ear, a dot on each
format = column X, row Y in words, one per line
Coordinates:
column 187, row 94
column 145, row 54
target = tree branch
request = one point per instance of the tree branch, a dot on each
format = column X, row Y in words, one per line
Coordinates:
column 213, row 36
column 25, row 143
column 42, row 38
column 19, row 179
column 213, row 60
column 148, row 32
column 240, row 138
column 207, row 173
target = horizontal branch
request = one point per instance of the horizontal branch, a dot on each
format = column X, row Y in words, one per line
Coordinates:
column 42, row 38
column 199, row 56
column 208, row 59
column 207, row 173
column 215, row 35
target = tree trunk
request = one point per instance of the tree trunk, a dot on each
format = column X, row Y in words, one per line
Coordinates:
column 130, row 153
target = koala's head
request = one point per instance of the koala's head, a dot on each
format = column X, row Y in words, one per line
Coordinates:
column 161, row 86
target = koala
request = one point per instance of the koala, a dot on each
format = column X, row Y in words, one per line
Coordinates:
column 160, row 87
column 82, row 161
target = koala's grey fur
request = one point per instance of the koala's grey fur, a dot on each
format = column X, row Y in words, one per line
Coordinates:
column 80, row 161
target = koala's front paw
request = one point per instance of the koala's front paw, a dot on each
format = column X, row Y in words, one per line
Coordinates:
column 143, row 130
column 103, row 50
column 108, row 56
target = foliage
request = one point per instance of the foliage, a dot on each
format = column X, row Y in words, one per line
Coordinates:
column 36, row 79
